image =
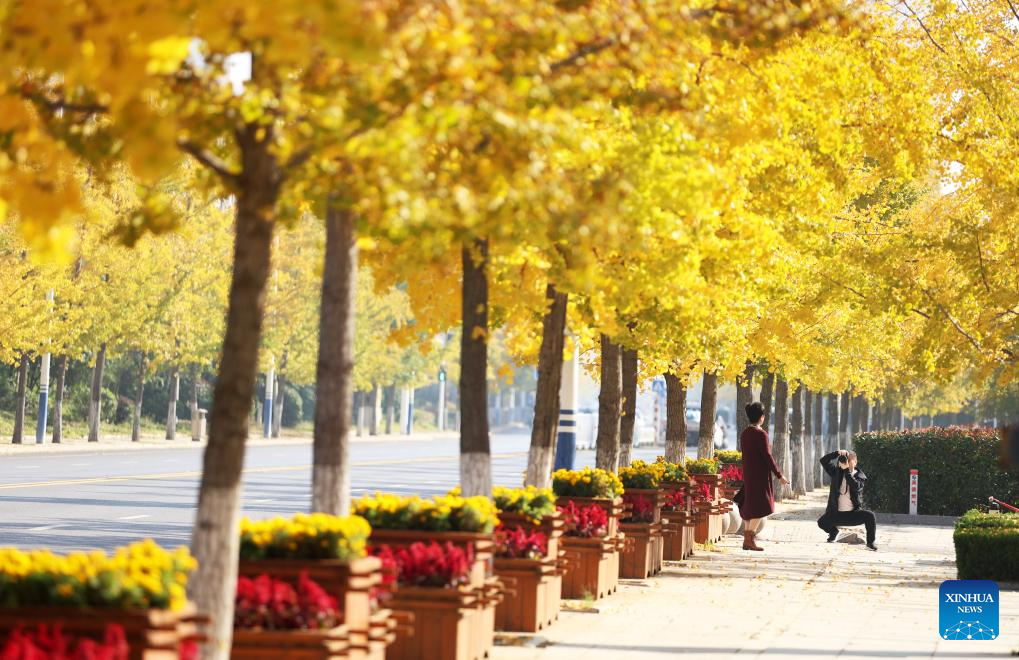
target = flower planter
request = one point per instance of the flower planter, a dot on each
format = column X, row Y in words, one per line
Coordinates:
column 483, row 546
column 593, row 570
column 536, row 585
column 712, row 480
column 613, row 508
column 532, row 602
column 445, row 623
column 150, row 634
column 351, row 582
column 256, row 644
column 678, row 530
column 643, row 556
column 710, row 526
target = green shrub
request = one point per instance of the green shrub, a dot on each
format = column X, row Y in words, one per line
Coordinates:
column 959, row 470
column 987, row 546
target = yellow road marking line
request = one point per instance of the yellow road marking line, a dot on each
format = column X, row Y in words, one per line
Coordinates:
column 255, row 470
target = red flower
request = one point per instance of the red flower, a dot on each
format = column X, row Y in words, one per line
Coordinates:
column 641, row 508
column 48, row 642
column 675, row 499
column 731, row 473
column 588, row 521
column 427, row 565
column 520, row 543
column 265, row 602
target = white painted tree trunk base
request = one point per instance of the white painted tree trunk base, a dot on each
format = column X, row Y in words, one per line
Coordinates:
column 539, row 466
column 214, row 584
column 476, row 474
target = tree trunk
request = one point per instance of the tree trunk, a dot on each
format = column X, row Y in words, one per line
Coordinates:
column 675, row 419
column 277, row 402
column 215, row 539
column 139, row 395
column 796, row 443
column 876, row 417
column 95, row 398
column 171, row 408
column 373, row 418
column 834, row 423
column 358, row 412
column 390, row 408
column 865, row 415
column 744, row 396
column 709, row 403
column 330, row 480
column 19, row 404
column 808, row 439
column 475, row 451
column 544, row 429
column 767, row 395
column 780, row 450
column 844, row 428
column 629, row 418
column 58, row 401
column 609, row 399
column 818, row 439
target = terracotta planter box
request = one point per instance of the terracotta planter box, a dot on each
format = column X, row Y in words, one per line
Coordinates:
column 483, row 545
column 351, row 582
column 613, row 508
column 445, row 624
column 643, row 557
column 533, row 603
column 709, row 527
column 593, row 568
column 488, row 599
column 712, row 480
column 680, row 525
column 290, row 644
column 150, row 634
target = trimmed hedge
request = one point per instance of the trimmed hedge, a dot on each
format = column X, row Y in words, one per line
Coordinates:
column 959, row 469
column 987, row 546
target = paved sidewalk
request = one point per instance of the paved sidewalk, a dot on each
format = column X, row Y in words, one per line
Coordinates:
column 800, row 598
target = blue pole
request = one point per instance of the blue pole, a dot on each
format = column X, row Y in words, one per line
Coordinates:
column 566, row 440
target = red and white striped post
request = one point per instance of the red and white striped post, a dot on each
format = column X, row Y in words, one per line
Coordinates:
column 914, row 479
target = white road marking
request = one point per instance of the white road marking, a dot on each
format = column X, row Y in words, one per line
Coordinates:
column 44, row 528
column 133, row 517
column 260, row 501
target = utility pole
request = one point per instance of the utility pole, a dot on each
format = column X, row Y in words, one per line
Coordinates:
column 270, row 378
column 44, row 385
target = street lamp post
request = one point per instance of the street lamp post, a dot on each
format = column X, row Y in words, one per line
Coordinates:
column 440, row 414
column 566, row 439
column 270, row 378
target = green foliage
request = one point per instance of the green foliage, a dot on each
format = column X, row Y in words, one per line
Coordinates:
column 987, row 546
column 702, row 466
column 958, row 467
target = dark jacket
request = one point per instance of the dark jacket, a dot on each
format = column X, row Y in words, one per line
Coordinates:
column 830, row 463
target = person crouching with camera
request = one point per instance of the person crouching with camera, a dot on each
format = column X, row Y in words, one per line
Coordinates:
column 845, row 508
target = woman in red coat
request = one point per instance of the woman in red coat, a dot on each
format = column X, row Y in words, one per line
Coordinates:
column 758, row 466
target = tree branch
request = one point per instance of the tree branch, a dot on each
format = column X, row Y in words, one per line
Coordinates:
column 208, row 160
column 582, row 52
column 919, row 20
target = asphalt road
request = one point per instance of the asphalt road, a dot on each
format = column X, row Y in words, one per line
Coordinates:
column 101, row 500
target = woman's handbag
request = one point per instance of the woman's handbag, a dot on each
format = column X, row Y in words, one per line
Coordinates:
column 739, row 497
